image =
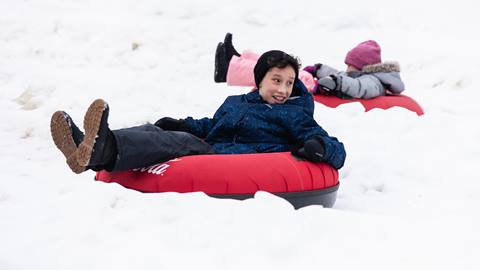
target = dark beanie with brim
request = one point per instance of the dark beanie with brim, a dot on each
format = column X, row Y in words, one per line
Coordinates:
column 271, row 59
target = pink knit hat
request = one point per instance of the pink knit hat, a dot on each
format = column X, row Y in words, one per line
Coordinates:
column 365, row 53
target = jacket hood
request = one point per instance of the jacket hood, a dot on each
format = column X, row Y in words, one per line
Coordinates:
column 388, row 73
column 382, row 67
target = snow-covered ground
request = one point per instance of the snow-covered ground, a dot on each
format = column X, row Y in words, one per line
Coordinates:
column 409, row 192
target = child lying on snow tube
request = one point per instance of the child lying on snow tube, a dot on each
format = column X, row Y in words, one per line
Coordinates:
column 276, row 118
column 366, row 76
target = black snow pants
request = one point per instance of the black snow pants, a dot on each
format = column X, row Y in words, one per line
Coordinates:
column 146, row 145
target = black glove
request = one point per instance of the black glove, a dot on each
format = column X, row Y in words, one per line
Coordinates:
column 168, row 123
column 312, row 150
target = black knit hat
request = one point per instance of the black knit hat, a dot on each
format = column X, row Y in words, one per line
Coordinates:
column 271, row 59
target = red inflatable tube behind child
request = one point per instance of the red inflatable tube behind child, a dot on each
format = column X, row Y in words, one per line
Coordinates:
column 383, row 102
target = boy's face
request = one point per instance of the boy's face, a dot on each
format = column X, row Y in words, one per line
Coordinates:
column 277, row 85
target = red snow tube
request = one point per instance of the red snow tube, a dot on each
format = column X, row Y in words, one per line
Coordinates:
column 238, row 176
column 383, row 102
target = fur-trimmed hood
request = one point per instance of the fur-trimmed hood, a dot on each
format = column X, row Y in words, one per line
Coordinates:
column 375, row 80
column 390, row 66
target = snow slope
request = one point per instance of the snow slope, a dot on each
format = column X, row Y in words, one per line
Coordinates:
column 408, row 196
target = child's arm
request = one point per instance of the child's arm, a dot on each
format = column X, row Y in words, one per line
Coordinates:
column 320, row 70
column 202, row 127
column 366, row 86
column 325, row 70
column 305, row 130
column 199, row 127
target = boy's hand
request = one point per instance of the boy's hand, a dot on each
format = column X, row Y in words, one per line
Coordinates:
column 312, row 150
column 168, row 123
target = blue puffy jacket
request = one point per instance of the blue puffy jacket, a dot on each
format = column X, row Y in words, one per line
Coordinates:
column 247, row 124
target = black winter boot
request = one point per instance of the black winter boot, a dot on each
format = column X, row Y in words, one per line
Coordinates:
column 98, row 149
column 221, row 64
column 224, row 53
column 66, row 136
column 229, row 49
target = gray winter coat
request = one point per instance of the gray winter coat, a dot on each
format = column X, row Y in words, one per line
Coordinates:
column 372, row 81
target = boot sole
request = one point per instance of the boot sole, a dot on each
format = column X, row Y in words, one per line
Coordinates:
column 91, row 124
column 62, row 137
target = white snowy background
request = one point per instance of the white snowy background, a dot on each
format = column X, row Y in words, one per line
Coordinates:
column 409, row 194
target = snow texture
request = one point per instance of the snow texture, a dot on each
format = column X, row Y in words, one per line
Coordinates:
column 409, row 189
